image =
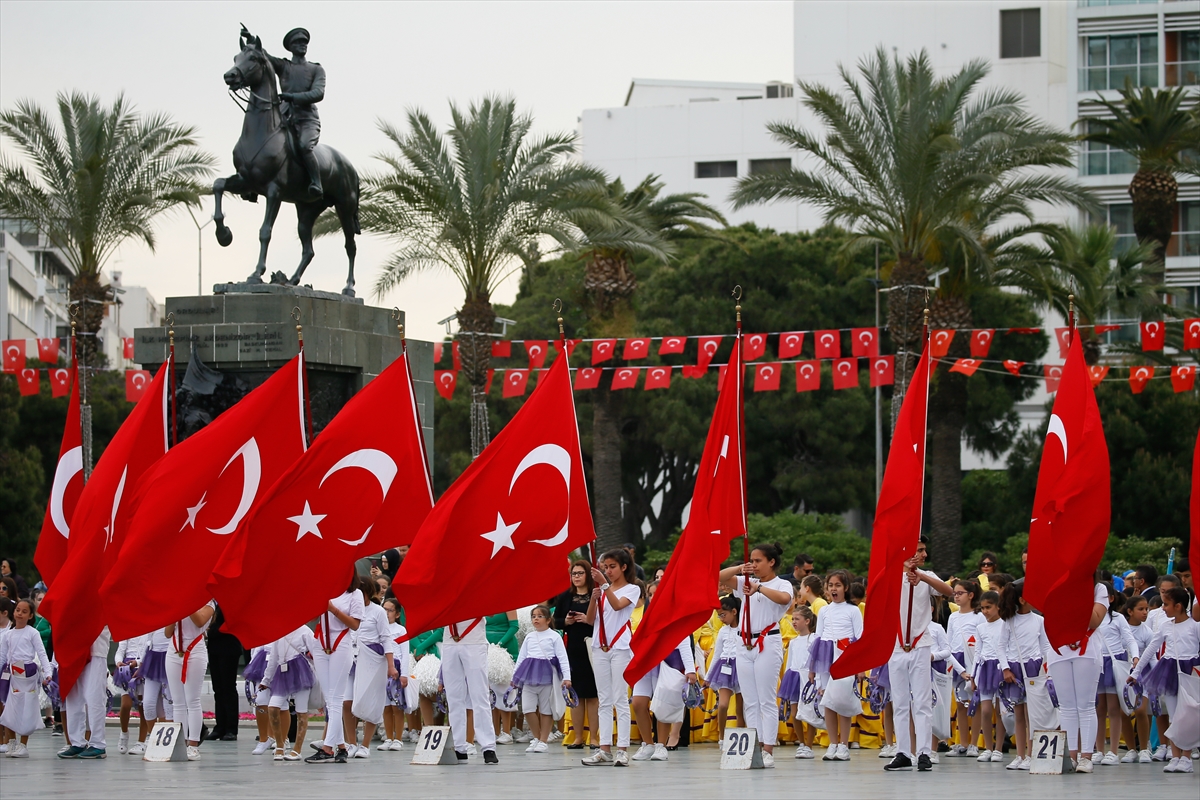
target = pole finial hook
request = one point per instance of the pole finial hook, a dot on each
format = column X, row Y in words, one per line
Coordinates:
column 737, row 292
column 557, row 305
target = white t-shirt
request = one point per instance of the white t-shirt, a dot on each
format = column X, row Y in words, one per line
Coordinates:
column 764, row 612
column 1099, row 595
column 992, row 638
column 1175, row 640
column 467, row 635
column 1027, row 639
column 616, row 619
column 398, row 631
column 132, row 649
column 1142, row 634
column 545, row 645
column 922, row 612
column 373, row 629
column 839, row 621
column 350, row 604
column 1115, row 637
column 961, row 629
column 186, row 632
column 797, row 660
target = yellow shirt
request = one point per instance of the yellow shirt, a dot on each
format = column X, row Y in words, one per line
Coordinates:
column 816, row 605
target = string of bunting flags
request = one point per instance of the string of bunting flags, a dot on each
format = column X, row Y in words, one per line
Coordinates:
column 16, row 353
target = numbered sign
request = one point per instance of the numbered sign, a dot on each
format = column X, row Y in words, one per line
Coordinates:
column 1050, row 756
column 742, row 750
column 434, row 747
column 165, row 743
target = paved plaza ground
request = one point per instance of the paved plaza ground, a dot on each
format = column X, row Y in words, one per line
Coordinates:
column 228, row 770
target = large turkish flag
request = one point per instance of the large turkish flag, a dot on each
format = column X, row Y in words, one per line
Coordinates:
column 64, row 492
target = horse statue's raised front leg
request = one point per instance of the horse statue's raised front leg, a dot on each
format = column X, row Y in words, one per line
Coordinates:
column 224, row 235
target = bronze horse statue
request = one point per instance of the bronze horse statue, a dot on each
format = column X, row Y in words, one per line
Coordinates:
column 266, row 162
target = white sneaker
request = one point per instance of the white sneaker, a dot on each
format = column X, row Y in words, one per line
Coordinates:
column 471, row 749
column 18, row 750
column 263, row 747
column 804, row 751
column 532, row 746
column 660, row 752
column 1172, row 765
column 1014, row 764
column 1024, row 764
column 933, row 758
column 1185, row 763
column 556, row 736
column 621, row 759
column 1084, row 765
column 1195, row 753
column 123, row 743
column 396, row 745
column 831, row 753
column 984, row 757
column 956, row 751
column 542, row 747
column 997, row 756
column 362, row 752
column 767, row 758
column 1097, row 757
column 597, row 759
column 137, row 749
column 887, row 751
column 387, row 745
column 972, row 752
column 193, row 753
column 1110, row 759
column 3, row 749
column 644, row 752
column 504, row 738
column 1160, row 753
column 843, row 753
column 521, row 737
column 1129, row 757
column 1144, row 757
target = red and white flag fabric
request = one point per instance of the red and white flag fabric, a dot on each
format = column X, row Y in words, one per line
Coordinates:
column 1152, row 336
column 1183, row 378
column 1138, row 377
column 64, row 492
column 515, row 382
column 687, row 594
column 362, row 488
column 48, row 351
column 14, row 354
column 755, row 345
column 966, row 366
column 29, row 381
column 1053, row 374
column 864, row 342
column 570, row 344
column 1063, row 336
column 98, row 529
column 766, row 377
column 706, row 350
column 136, row 381
column 500, row 349
column 636, row 348
column 672, row 344
column 127, row 346
column 60, row 381
column 587, row 378
column 1071, row 507
column 896, row 531
column 625, row 378
column 883, row 371
column 845, row 373
column 456, row 356
column 808, row 376
column 981, row 342
column 185, row 508
column 658, row 378
column 603, row 350
column 444, row 380
column 537, row 352
column 1191, row 334
column 1097, row 373
column 940, row 341
column 828, row 344
column 510, row 521
column 1013, row 366
column 790, row 344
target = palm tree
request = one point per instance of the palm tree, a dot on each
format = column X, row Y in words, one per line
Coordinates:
column 1151, row 126
column 925, row 167
column 639, row 223
column 96, row 178
column 476, row 203
column 906, row 158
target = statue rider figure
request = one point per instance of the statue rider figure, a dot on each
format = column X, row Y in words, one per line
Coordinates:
column 302, row 86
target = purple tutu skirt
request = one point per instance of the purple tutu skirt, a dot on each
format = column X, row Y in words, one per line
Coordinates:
column 938, row 666
column 257, row 668
column 720, row 679
column 820, row 656
column 1163, row 677
column 537, row 672
column 881, row 677
column 789, row 687
column 1029, row 670
column 154, row 667
column 297, row 678
column 988, row 678
column 674, row 661
column 958, row 679
column 1107, row 681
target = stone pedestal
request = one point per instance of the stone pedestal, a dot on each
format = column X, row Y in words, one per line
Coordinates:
column 247, row 335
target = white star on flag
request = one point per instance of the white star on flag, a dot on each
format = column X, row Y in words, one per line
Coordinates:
column 190, row 522
column 307, row 522
column 501, row 537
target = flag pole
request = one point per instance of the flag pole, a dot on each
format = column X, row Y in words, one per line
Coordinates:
column 737, row 343
column 906, row 644
column 303, row 373
column 174, row 394
column 1070, row 319
column 400, row 329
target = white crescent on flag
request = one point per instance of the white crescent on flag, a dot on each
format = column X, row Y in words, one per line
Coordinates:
column 252, row 474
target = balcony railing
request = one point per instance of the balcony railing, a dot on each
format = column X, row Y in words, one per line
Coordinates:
column 1093, row 79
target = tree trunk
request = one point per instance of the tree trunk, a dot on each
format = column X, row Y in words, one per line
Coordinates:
column 606, row 467
column 476, row 321
column 947, row 415
column 1154, row 193
column 89, row 296
column 905, row 317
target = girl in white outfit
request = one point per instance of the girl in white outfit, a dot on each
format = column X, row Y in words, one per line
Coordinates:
column 945, row 668
column 288, row 676
column 393, row 712
column 375, row 666
column 1137, row 729
column 1027, row 650
column 765, row 599
column 838, row 624
column 156, row 692
column 332, row 655
column 960, row 629
column 85, row 707
column 259, row 695
column 129, row 655
column 722, row 671
column 683, row 659
column 541, row 670
column 187, row 661
column 791, row 685
column 990, row 672
column 612, row 605
column 1117, row 643
column 1075, row 670
column 24, row 667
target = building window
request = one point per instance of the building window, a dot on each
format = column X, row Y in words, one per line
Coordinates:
column 764, row 166
column 1183, row 58
column 1120, row 217
column 1186, row 241
column 1100, row 159
column 1112, row 60
column 779, row 90
column 1021, row 33
column 716, row 169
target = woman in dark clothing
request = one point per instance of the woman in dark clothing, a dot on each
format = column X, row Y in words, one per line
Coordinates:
column 570, row 614
column 8, row 569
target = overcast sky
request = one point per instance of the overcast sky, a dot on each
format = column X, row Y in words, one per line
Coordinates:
column 380, row 58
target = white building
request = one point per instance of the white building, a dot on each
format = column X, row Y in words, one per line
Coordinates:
column 134, row 308
column 701, row 136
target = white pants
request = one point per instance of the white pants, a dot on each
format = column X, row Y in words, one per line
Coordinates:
column 1075, row 684
column 280, row 701
column 912, row 696
column 539, row 699
column 758, row 676
column 86, row 705
column 464, row 674
column 186, row 707
column 333, row 673
column 613, row 692
column 155, row 702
